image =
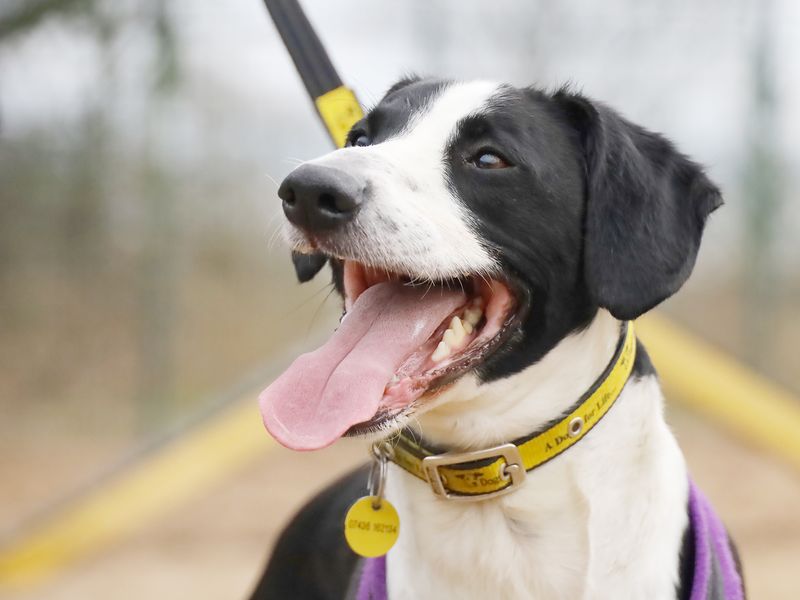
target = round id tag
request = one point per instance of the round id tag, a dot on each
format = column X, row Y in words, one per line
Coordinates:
column 371, row 531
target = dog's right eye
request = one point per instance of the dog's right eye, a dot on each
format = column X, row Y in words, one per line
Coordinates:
column 360, row 140
column 487, row 159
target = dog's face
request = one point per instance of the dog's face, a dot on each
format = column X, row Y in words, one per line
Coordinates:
column 470, row 227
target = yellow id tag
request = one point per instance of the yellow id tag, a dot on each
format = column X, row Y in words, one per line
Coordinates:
column 371, row 531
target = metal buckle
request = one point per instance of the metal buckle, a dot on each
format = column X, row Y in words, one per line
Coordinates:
column 513, row 469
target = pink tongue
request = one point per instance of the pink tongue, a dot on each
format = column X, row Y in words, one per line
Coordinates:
column 323, row 393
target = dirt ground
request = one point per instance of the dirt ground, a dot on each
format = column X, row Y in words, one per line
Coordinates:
column 215, row 547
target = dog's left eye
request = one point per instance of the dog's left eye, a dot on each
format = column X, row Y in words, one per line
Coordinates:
column 489, row 160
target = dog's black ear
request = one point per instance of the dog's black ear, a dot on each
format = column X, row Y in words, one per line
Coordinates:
column 404, row 81
column 646, row 206
column 306, row 266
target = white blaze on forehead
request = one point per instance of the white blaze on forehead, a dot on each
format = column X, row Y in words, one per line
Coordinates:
column 441, row 230
column 421, row 145
column 413, row 221
column 438, row 120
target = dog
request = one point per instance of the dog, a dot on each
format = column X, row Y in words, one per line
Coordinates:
column 492, row 246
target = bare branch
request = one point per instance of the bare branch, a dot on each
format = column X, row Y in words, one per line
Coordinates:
column 26, row 14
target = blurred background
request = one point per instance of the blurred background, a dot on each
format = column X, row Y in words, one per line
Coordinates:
column 142, row 284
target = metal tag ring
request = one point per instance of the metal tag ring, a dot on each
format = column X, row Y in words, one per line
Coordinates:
column 376, row 483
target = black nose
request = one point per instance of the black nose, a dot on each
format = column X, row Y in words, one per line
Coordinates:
column 318, row 198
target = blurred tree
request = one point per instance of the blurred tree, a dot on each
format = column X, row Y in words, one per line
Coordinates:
column 81, row 170
column 157, row 291
column 66, row 189
column 20, row 15
column 762, row 188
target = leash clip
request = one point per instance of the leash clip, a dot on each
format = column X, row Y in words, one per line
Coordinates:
column 513, row 470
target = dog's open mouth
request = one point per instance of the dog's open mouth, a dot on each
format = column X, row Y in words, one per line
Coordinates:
column 399, row 340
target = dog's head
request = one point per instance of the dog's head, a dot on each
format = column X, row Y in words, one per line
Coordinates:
column 470, row 227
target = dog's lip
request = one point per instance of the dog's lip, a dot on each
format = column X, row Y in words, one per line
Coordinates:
column 386, row 421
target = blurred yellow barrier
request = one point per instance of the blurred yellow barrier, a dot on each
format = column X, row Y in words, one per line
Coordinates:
column 693, row 373
column 722, row 389
column 178, row 472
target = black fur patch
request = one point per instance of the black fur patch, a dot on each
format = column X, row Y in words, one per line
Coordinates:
column 737, row 560
column 686, row 565
column 642, row 365
column 311, row 560
column 403, row 82
column 647, row 205
column 531, row 215
column 593, row 212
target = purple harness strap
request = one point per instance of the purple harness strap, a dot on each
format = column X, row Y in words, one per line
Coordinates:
column 373, row 580
column 715, row 573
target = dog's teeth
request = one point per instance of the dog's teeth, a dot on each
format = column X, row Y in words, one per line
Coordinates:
column 453, row 339
column 477, row 302
column 468, row 328
column 473, row 316
column 457, row 326
column 442, row 351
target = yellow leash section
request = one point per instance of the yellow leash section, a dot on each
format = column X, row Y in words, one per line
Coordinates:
column 339, row 110
column 336, row 104
column 477, row 475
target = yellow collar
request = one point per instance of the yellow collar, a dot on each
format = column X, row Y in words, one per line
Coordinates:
column 482, row 474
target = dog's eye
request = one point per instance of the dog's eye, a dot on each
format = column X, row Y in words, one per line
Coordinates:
column 360, row 140
column 489, row 160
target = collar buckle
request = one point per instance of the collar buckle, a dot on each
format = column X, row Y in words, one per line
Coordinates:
column 513, row 470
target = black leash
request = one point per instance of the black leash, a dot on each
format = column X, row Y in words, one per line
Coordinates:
column 336, row 105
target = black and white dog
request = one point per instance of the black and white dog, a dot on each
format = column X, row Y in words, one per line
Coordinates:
column 490, row 244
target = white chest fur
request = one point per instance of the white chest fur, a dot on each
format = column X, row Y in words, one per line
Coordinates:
column 603, row 520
